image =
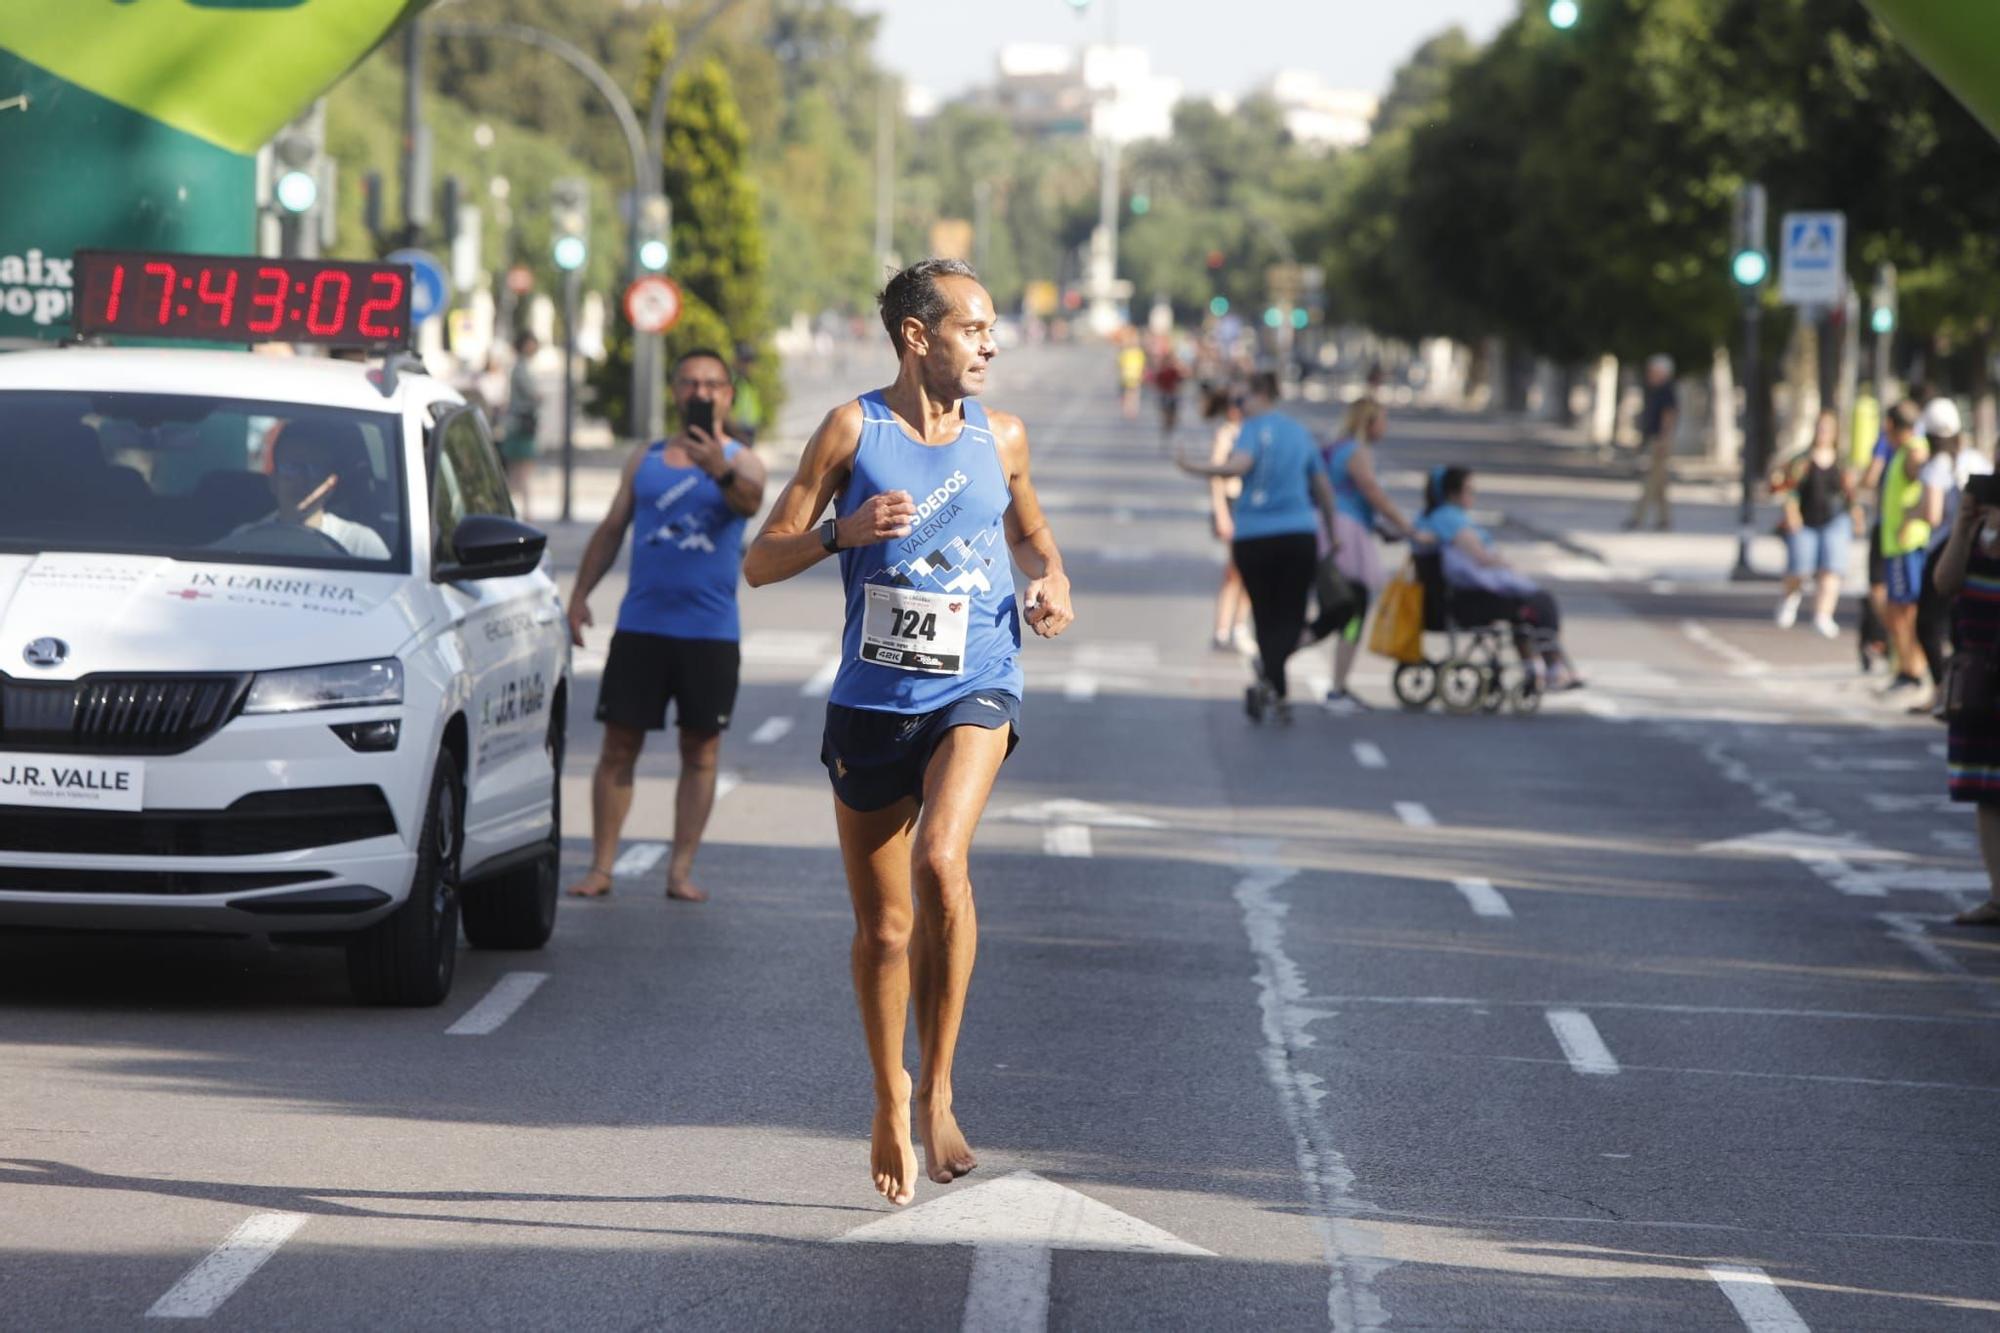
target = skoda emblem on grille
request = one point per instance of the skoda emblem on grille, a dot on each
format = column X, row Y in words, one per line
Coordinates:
column 45, row 652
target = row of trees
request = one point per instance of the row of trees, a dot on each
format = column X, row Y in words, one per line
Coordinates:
column 1571, row 191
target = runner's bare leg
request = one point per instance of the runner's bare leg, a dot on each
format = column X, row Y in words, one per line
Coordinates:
column 610, row 802
column 875, row 848
column 694, row 798
column 956, row 787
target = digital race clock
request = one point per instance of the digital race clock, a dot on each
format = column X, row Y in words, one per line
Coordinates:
column 242, row 299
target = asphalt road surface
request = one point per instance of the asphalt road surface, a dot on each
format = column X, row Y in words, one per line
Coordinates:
column 1641, row 1013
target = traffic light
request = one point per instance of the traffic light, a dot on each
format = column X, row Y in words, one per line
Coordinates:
column 1141, row 205
column 1563, row 14
column 1300, row 317
column 1882, row 301
column 1749, row 261
column 569, row 208
column 1218, row 306
column 1273, row 317
column 656, row 219
column 1215, row 259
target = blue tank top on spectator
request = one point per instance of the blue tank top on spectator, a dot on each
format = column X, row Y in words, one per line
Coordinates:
column 687, row 552
column 955, row 558
column 1277, row 494
column 1347, row 497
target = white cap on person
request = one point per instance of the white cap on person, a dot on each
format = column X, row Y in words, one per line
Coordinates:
column 1941, row 419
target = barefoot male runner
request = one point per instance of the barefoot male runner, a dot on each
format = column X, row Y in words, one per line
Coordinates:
column 931, row 495
column 686, row 500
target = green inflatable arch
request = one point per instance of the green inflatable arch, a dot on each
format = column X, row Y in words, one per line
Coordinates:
column 1959, row 40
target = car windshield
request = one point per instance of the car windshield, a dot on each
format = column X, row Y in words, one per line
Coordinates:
column 197, row 478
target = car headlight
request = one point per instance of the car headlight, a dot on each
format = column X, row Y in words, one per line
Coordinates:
column 343, row 685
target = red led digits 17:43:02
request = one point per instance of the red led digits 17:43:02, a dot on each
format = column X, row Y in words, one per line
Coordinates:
column 231, row 298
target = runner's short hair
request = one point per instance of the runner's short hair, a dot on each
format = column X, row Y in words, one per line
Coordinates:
column 1264, row 384
column 704, row 354
column 1905, row 415
column 914, row 294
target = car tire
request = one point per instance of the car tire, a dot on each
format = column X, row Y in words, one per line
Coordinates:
column 516, row 909
column 408, row 958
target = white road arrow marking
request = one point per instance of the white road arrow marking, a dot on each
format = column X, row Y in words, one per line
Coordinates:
column 1762, row 1307
column 1013, row 1224
column 1804, row 846
column 1077, row 812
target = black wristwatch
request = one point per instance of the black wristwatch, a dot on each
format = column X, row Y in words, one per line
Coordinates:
column 829, row 535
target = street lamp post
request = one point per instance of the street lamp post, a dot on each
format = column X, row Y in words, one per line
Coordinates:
column 1749, row 266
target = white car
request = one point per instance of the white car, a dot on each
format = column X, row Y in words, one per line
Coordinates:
column 275, row 660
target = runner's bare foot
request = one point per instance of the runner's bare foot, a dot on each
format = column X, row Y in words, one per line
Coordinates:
column 891, row 1156
column 947, row 1155
column 596, row 883
column 686, row 893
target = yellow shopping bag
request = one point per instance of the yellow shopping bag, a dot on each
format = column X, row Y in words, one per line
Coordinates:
column 1399, row 623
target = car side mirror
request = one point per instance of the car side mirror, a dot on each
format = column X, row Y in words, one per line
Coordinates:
column 489, row 546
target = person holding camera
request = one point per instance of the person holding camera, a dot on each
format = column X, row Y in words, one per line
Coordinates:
column 686, row 500
column 1968, row 573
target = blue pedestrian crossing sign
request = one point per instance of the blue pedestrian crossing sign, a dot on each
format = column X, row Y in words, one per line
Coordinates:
column 1812, row 259
column 426, row 282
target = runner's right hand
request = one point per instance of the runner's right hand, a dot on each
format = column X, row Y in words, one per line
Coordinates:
column 579, row 616
column 880, row 518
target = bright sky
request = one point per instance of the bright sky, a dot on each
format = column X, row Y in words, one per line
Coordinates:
column 947, row 47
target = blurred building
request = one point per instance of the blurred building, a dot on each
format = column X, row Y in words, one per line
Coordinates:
column 1318, row 115
column 1106, row 92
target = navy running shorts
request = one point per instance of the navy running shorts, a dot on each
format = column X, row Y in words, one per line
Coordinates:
column 875, row 759
column 1906, row 578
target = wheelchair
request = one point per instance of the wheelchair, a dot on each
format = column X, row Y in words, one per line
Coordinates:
column 1482, row 670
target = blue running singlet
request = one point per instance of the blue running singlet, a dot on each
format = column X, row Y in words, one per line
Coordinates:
column 687, row 552
column 931, row 617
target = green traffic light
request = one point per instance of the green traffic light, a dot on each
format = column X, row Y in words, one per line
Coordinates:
column 1219, row 306
column 1749, row 268
column 1141, row 205
column 653, row 255
column 1563, row 14
column 570, row 252
column 1273, row 317
column 1300, row 318
column 1883, row 320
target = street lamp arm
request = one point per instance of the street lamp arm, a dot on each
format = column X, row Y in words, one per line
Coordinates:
column 573, row 56
column 656, row 113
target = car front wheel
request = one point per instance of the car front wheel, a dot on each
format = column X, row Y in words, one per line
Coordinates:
column 408, row 958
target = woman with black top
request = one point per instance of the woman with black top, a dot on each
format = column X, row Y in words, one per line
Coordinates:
column 1822, row 516
column 1968, row 573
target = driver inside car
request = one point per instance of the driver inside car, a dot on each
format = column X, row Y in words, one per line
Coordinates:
column 305, row 473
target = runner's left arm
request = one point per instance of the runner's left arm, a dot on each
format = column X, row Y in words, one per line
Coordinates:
column 1049, row 610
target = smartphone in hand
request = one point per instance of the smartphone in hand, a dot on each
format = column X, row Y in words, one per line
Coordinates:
column 1984, row 488
column 700, row 412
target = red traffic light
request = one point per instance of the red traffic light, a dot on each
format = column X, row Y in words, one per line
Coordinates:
column 1215, row 258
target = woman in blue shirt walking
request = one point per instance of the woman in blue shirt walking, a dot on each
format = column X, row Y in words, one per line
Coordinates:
column 1287, row 499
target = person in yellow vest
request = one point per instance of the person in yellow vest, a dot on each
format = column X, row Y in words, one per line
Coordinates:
column 1905, row 538
column 1131, row 377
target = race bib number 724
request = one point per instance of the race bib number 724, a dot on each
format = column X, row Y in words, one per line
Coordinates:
column 915, row 631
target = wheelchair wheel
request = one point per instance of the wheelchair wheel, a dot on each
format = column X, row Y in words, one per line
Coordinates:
column 1462, row 686
column 1525, row 696
column 1415, row 684
column 1495, row 696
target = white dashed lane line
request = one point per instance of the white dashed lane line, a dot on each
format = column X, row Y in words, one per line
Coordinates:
column 203, row 1288
column 771, row 731
column 1762, row 1307
column 1414, row 814
column 1369, row 755
column 639, row 858
column 1067, row 840
column 508, row 994
column 1483, row 897
column 821, row 683
column 1581, row 1046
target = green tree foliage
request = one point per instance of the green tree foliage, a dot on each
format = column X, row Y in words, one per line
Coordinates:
column 719, row 258
column 1572, row 191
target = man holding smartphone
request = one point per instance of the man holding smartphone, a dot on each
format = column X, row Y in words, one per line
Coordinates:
column 685, row 500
